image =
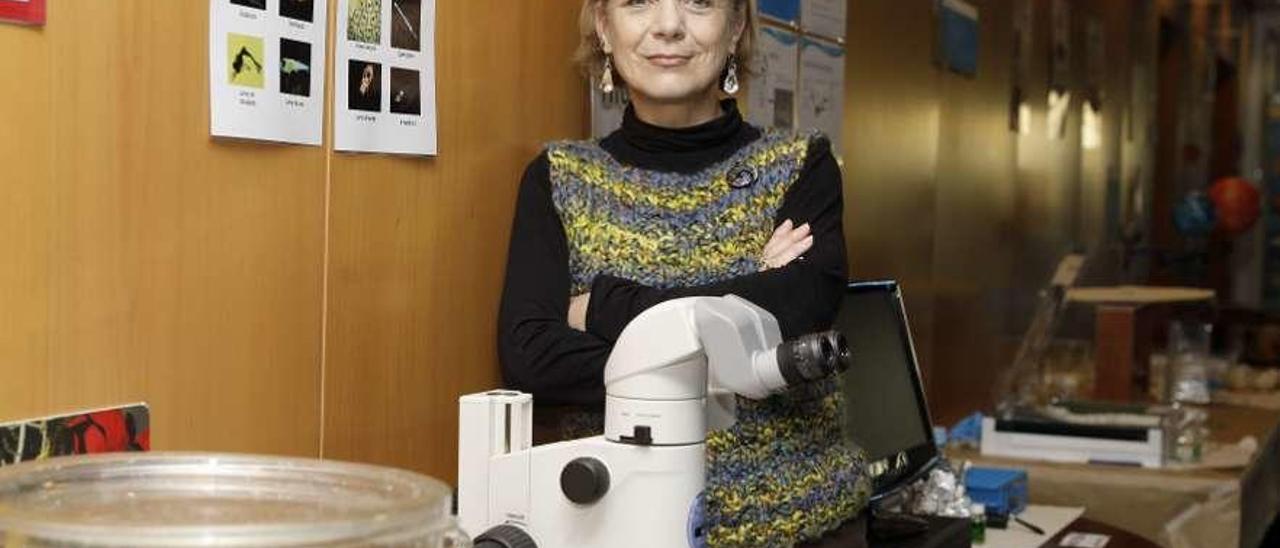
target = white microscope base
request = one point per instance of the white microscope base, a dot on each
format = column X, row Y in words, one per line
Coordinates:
column 645, row 485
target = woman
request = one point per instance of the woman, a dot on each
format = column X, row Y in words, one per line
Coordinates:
column 686, row 199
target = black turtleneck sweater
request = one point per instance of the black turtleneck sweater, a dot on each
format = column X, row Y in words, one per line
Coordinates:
column 542, row 355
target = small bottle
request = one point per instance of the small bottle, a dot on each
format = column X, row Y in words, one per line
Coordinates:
column 978, row 523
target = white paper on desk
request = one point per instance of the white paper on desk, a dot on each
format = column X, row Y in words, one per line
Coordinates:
column 266, row 69
column 1085, row 540
column 772, row 92
column 822, row 89
column 385, row 77
column 1051, row 519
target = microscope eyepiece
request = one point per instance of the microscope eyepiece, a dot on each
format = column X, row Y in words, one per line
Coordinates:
column 812, row 357
column 843, row 357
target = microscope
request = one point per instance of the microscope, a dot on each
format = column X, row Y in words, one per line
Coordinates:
column 673, row 374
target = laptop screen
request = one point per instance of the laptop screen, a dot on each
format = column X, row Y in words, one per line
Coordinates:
column 886, row 413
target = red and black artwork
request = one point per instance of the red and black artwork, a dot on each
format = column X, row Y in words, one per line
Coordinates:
column 120, row 429
column 26, row 12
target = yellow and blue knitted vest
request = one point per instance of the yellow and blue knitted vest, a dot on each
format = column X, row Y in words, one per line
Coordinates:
column 782, row 473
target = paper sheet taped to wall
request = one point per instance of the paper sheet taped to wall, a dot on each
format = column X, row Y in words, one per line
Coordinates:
column 824, row 17
column 822, row 89
column 385, row 77
column 266, row 69
column 772, row 92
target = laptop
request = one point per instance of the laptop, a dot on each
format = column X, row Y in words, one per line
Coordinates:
column 886, row 411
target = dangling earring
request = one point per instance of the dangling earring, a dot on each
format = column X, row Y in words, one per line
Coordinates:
column 730, row 84
column 606, row 79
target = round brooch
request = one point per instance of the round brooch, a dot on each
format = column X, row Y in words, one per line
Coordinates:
column 742, row 175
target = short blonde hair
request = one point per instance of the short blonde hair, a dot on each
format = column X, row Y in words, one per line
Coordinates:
column 590, row 55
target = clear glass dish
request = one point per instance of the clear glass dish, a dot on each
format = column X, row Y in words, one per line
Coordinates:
column 192, row 499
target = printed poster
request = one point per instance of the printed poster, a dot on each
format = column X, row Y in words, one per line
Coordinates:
column 781, row 11
column 607, row 109
column 822, row 88
column 385, row 77
column 958, row 36
column 771, row 98
column 824, row 18
column 266, row 69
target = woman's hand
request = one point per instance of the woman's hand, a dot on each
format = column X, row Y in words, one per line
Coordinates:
column 787, row 243
column 578, row 311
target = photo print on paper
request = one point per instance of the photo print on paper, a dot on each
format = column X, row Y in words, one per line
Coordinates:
column 405, row 95
column 301, row 10
column 255, row 4
column 295, row 67
column 364, row 21
column 406, row 24
column 244, row 60
column 364, row 85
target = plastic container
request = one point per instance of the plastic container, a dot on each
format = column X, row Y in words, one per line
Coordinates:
column 186, row 499
column 1187, row 380
column 1000, row 490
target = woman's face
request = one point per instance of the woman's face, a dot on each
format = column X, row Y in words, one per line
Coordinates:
column 366, row 79
column 669, row 50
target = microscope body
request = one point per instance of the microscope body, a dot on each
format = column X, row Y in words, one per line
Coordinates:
column 645, row 495
column 673, row 374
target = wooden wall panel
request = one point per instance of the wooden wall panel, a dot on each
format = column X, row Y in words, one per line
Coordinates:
column 418, row 246
column 890, row 154
column 1047, row 173
column 180, row 270
column 24, row 201
column 974, row 208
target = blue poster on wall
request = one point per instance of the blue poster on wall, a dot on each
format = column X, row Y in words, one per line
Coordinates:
column 785, row 11
column 958, row 36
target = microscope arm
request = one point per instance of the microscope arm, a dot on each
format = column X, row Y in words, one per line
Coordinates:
column 657, row 375
column 666, row 352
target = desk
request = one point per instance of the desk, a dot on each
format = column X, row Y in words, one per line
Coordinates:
column 1174, row 508
column 1050, row 519
column 943, row 534
column 1058, row 522
column 1119, row 537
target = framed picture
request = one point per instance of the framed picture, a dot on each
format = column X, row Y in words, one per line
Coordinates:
column 29, row 12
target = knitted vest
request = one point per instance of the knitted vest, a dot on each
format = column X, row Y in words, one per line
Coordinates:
column 783, row 472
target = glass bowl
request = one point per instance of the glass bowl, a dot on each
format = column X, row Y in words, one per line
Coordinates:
column 197, row 499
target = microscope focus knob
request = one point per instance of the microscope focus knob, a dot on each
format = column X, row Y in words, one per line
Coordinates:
column 505, row 536
column 584, row 480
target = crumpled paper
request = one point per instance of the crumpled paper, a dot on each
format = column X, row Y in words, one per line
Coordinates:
column 941, row 493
